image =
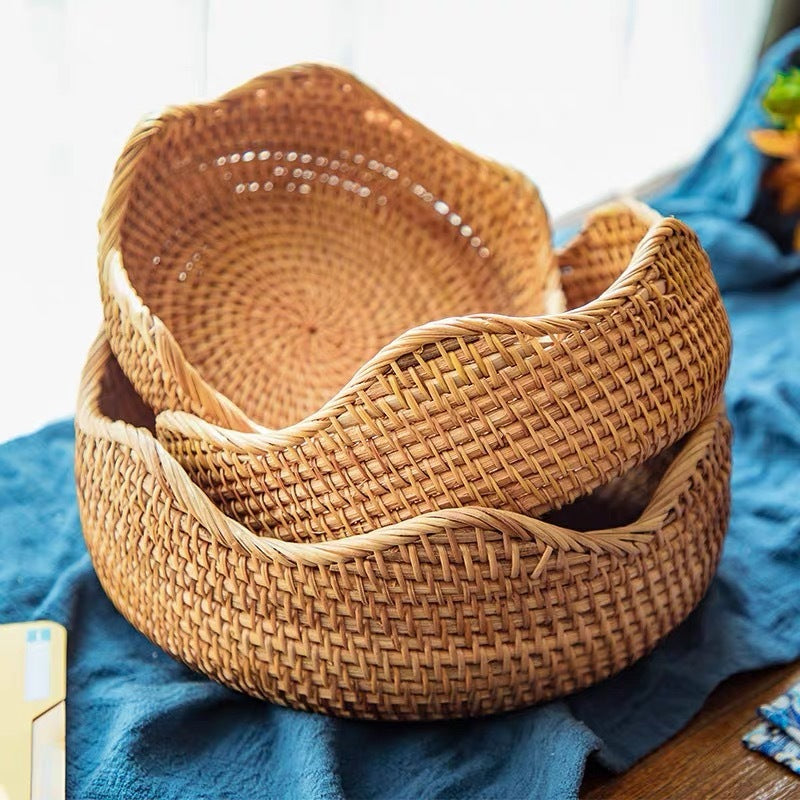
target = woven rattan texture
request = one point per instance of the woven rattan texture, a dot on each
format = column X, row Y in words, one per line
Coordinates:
column 462, row 612
column 286, row 232
column 516, row 414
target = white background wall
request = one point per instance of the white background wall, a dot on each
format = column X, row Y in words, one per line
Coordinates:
column 587, row 97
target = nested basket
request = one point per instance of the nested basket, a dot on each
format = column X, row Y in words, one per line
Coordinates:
column 458, row 612
column 517, row 413
column 257, row 250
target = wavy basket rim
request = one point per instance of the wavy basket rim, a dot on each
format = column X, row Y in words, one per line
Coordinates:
column 626, row 539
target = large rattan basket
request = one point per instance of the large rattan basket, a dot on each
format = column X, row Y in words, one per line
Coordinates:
column 459, row 612
column 521, row 414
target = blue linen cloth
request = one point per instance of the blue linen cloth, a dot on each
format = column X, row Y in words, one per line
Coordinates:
column 140, row 725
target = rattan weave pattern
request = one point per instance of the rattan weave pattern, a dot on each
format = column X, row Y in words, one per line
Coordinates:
column 341, row 447
column 460, row 612
column 255, row 251
column 276, row 258
column 523, row 414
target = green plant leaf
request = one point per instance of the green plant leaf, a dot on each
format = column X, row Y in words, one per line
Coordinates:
column 782, row 100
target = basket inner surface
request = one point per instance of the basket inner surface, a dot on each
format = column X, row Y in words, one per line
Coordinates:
column 286, row 236
column 118, row 400
column 619, row 502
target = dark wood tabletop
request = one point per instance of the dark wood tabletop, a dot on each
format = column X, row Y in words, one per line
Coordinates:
column 707, row 760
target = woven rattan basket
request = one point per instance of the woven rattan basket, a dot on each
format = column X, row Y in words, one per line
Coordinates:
column 521, row 414
column 453, row 613
column 257, row 250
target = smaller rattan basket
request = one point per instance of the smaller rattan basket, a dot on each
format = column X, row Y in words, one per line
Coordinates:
column 255, row 251
column 520, row 414
column 458, row 612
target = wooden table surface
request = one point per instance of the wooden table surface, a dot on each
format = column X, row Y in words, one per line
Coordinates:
column 707, row 760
